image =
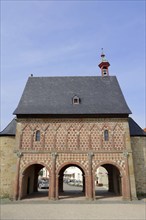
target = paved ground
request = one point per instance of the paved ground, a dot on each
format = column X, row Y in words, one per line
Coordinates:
column 70, row 211
column 70, row 207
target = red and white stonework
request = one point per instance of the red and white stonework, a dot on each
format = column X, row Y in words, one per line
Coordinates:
column 79, row 142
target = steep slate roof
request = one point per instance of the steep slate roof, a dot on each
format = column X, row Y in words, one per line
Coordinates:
column 53, row 96
column 135, row 130
column 10, row 130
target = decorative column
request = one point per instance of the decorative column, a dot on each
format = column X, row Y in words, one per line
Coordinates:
column 16, row 185
column 132, row 177
column 90, row 177
column 52, row 190
column 126, row 181
column 57, row 188
column 20, row 186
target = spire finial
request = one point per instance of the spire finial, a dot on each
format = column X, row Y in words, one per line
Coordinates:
column 102, row 51
column 102, row 55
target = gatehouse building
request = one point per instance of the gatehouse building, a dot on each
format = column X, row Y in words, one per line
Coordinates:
column 69, row 121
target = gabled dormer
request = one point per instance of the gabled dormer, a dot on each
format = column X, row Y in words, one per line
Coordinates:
column 76, row 100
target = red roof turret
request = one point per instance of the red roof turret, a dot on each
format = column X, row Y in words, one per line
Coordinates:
column 104, row 65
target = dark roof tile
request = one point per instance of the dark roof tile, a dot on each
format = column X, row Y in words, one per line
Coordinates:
column 53, row 95
column 135, row 129
column 10, row 130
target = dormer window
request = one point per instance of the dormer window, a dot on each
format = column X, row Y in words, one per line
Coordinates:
column 76, row 100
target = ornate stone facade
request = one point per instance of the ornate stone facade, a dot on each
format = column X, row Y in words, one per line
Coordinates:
column 73, row 134
column 79, row 142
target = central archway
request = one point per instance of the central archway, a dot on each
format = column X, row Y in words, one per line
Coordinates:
column 71, row 181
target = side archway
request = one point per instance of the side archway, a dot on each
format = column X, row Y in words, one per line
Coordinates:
column 111, row 181
column 29, row 179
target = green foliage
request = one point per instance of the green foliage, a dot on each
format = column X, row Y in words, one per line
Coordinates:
column 141, row 195
column 41, row 173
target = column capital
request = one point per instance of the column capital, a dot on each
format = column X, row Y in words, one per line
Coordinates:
column 54, row 154
column 90, row 154
column 19, row 154
column 125, row 154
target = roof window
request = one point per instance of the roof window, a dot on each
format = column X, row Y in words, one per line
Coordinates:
column 76, row 100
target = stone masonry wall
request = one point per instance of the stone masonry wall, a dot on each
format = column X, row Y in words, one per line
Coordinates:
column 139, row 157
column 8, row 166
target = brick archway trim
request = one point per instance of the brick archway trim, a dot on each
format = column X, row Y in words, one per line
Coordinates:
column 72, row 163
column 112, row 163
column 35, row 163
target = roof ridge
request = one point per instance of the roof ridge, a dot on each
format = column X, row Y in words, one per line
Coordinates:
column 70, row 76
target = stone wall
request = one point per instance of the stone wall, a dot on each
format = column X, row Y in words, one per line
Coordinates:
column 8, row 166
column 139, row 157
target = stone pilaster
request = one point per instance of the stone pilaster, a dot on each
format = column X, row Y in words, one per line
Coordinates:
column 52, row 190
column 126, row 179
column 16, row 184
column 90, row 177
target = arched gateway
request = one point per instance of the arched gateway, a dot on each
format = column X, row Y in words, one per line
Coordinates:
column 80, row 121
column 114, row 179
column 28, row 180
column 61, row 179
column 117, row 179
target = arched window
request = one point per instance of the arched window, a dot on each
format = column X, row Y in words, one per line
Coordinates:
column 37, row 136
column 106, row 135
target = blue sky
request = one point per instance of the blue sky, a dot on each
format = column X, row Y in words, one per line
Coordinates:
column 64, row 38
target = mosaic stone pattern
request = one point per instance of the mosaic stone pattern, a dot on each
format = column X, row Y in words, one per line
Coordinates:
column 73, row 135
